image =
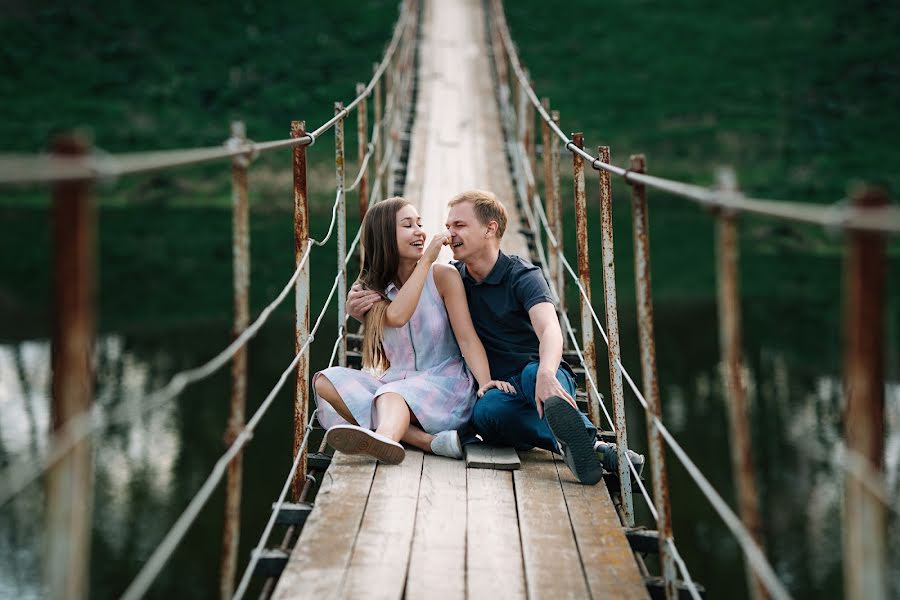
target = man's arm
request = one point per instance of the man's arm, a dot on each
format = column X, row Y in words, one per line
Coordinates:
column 360, row 300
column 546, row 326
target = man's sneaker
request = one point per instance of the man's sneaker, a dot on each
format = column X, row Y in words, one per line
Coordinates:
column 446, row 443
column 574, row 441
column 609, row 457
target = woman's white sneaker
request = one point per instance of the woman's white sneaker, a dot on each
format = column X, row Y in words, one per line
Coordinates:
column 351, row 439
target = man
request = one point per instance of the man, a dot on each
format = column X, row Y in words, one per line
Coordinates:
column 515, row 317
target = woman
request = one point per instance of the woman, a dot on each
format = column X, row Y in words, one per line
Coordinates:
column 415, row 387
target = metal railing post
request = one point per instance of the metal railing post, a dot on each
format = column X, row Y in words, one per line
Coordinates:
column 301, row 242
column 362, row 137
column 342, row 228
column 614, row 355
column 554, row 213
column 378, row 129
column 551, row 201
column 391, row 100
column 865, row 519
column 531, row 195
column 649, row 381
column 241, row 274
column 588, row 346
column 743, row 472
column 69, row 498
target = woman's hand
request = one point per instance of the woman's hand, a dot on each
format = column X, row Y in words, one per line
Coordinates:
column 503, row 386
column 434, row 246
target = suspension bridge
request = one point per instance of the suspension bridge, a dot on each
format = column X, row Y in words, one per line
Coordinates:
column 453, row 108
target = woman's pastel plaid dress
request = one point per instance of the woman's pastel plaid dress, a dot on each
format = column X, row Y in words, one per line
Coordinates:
column 427, row 370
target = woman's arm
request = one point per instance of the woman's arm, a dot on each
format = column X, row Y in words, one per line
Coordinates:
column 401, row 309
column 450, row 286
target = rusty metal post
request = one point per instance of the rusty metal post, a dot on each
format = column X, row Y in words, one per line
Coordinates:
column 391, row 101
column 865, row 520
column 378, row 127
column 530, row 163
column 649, row 382
column 554, row 213
column 362, row 136
column 342, row 230
column 551, row 202
column 241, row 271
column 301, row 241
column 743, row 471
column 612, row 331
column 69, row 481
column 589, row 349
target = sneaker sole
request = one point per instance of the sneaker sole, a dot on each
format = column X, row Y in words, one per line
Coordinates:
column 362, row 441
column 567, row 426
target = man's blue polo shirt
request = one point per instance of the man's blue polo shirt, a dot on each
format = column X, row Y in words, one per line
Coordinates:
column 499, row 306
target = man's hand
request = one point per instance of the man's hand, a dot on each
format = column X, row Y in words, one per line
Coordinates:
column 547, row 385
column 360, row 300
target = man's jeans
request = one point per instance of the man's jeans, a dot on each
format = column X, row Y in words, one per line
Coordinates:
column 512, row 420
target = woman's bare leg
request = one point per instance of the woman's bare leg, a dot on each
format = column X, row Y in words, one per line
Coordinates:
column 393, row 416
column 326, row 390
column 416, row 436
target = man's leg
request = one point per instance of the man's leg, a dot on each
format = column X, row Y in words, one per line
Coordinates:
column 570, row 428
column 565, row 379
column 511, row 420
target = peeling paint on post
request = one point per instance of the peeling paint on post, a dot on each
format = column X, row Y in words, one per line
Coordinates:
column 730, row 346
column 362, row 136
column 69, row 498
column 378, row 129
column 301, row 240
column 551, row 202
column 241, row 273
column 584, row 277
column 612, row 331
column 554, row 213
column 342, row 229
column 649, row 382
column 865, row 519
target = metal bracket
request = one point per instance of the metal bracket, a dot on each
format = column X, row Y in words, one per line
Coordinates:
column 293, row 513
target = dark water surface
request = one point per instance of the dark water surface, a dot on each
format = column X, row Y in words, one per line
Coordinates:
column 147, row 471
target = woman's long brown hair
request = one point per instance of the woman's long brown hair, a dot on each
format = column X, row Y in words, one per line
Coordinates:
column 381, row 260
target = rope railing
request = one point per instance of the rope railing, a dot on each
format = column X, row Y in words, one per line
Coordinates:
column 21, row 169
column 17, row 476
column 164, row 550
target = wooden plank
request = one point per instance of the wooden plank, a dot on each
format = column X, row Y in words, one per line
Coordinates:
column 494, row 554
column 552, row 564
column 437, row 567
column 380, row 558
column 483, row 456
column 609, row 563
column 319, row 560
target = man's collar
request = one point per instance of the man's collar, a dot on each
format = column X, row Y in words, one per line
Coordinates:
column 497, row 271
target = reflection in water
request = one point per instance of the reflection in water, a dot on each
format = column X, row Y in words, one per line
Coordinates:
column 146, row 472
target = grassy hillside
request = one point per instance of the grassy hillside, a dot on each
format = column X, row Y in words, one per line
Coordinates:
column 800, row 97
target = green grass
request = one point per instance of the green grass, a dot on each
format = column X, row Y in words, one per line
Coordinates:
column 799, row 97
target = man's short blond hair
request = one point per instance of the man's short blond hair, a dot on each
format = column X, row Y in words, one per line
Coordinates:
column 486, row 206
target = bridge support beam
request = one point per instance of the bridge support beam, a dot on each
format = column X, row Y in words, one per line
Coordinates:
column 301, row 245
column 70, row 481
column 649, row 380
column 730, row 336
column 340, row 184
column 241, row 277
column 614, row 355
column 865, row 519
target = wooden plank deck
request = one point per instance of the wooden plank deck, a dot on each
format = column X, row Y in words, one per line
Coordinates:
column 430, row 527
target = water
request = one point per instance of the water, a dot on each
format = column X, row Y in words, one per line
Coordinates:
column 147, row 471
